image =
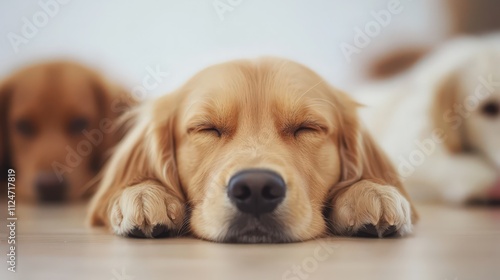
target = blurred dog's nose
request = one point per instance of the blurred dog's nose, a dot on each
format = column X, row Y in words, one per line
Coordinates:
column 49, row 188
column 256, row 191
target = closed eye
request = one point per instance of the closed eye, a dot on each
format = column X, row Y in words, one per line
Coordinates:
column 212, row 130
column 207, row 129
column 303, row 129
column 307, row 127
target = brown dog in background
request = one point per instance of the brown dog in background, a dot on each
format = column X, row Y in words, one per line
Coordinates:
column 56, row 126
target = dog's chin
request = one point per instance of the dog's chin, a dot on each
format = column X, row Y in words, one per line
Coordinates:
column 249, row 229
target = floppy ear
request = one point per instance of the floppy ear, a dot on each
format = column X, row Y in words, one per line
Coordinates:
column 5, row 93
column 444, row 117
column 146, row 153
column 360, row 156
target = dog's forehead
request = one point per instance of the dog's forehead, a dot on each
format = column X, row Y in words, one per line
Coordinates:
column 47, row 81
column 256, row 85
column 45, row 89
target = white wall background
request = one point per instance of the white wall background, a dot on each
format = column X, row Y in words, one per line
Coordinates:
column 124, row 38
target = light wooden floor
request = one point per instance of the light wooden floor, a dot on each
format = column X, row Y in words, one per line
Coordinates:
column 449, row 243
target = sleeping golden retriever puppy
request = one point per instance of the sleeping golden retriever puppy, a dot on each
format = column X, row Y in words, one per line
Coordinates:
column 56, row 126
column 251, row 151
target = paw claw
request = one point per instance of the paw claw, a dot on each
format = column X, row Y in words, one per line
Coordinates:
column 351, row 223
column 390, row 221
column 171, row 210
column 390, row 231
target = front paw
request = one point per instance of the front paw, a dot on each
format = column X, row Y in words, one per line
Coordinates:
column 370, row 210
column 146, row 211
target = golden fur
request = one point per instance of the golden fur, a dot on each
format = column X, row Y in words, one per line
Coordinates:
column 173, row 167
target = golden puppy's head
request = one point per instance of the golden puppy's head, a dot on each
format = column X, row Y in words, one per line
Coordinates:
column 257, row 149
column 56, row 125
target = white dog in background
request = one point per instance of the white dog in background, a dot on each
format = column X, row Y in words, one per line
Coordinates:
column 440, row 121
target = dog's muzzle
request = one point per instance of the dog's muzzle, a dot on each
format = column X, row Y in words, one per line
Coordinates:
column 256, row 193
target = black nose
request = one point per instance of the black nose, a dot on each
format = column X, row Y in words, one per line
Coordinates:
column 256, row 191
column 49, row 188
